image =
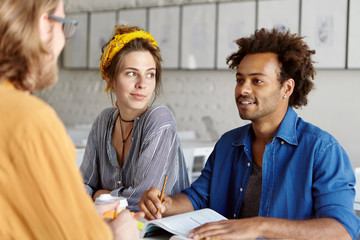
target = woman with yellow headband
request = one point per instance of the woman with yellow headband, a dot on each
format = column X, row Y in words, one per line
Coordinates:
column 133, row 145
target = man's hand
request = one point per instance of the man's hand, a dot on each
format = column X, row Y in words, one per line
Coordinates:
column 103, row 208
column 229, row 229
column 150, row 203
column 124, row 227
column 271, row 228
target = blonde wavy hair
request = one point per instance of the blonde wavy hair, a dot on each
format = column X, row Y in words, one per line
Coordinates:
column 21, row 50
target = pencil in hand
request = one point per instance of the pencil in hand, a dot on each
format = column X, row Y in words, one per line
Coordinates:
column 162, row 193
column 115, row 213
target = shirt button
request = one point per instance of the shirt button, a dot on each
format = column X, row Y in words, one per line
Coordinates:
column 282, row 142
column 234, row 215
column 132, row 139
column 248, row 164
column 241, row 189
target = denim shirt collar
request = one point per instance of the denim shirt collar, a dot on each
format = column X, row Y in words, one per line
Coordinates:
column 286, row 131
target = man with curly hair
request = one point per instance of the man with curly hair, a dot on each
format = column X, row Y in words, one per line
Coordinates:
column 279, row 176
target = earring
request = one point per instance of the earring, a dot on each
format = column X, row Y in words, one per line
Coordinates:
column 285, row 97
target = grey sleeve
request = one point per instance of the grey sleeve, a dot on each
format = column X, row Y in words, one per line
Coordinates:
column 159, row 156
column 89, row 166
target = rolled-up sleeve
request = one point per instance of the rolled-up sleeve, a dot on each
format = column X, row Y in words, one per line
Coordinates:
column 333, row 188
column 199, row 192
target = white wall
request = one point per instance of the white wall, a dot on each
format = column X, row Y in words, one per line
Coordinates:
column 194, row 95
column 333, row 105
column 96, row 5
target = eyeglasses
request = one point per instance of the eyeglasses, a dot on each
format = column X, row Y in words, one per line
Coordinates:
column 69, row 25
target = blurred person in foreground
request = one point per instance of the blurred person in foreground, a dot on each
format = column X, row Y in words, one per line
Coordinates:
column 279, row 176
column 42, row 195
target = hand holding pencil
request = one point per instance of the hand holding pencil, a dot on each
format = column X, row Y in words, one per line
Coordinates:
column 154, row 202
column 125, row 226
column 162, row 193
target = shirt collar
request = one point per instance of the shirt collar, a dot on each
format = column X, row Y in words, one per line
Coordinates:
column 286, row 131
column 246, row 134
column 7, row 84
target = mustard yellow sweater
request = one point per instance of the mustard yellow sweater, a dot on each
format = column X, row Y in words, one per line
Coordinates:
column 41, row 190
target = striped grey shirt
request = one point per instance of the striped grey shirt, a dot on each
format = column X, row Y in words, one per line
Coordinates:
column 155, row 152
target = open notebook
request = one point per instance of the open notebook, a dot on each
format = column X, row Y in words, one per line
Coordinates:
column 180, row 224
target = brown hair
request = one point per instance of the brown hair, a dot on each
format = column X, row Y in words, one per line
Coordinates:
column 21, row 50
column 137, row 44
column 293, row 54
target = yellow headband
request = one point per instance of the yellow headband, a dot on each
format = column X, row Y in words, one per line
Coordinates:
column 115, row 45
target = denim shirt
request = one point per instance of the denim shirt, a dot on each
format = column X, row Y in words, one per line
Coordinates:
column 306, row 174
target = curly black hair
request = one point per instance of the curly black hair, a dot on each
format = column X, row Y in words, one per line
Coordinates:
column 293, row 54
